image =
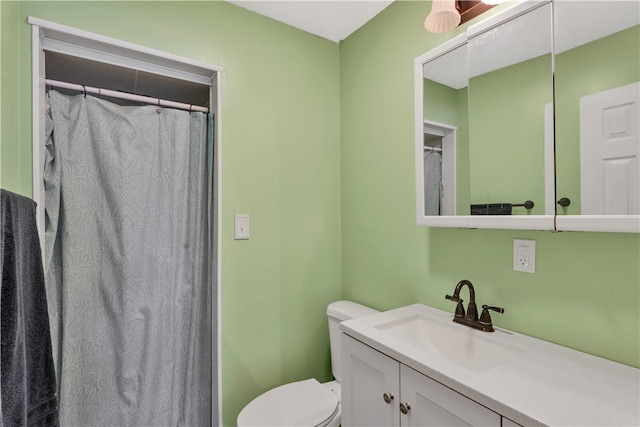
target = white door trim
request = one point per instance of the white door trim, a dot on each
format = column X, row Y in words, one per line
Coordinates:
column 38, row 129
column 76, row 42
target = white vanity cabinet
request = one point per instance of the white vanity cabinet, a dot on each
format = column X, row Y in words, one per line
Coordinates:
column 377, row 391
column 367, row 377
column 448, row 374
column 433, row 404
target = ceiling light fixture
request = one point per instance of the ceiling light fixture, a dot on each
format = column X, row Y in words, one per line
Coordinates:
column 443, row 17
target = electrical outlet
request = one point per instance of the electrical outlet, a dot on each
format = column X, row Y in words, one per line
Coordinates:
column 524, row 255
column 242, row 227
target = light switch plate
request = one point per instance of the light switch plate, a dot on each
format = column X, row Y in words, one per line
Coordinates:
column 524, row 255
column 242, row 227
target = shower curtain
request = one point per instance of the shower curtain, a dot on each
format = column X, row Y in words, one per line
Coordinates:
column 127, row 262
column 432, row 182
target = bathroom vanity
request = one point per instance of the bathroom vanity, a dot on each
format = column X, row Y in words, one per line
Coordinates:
column 413, row 366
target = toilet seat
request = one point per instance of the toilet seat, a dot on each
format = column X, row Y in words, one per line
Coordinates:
column 302, row 403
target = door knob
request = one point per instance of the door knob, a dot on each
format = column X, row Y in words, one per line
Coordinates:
column 388, row 397
column 405, row 408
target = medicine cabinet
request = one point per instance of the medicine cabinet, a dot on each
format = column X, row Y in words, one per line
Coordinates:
column 493, row 151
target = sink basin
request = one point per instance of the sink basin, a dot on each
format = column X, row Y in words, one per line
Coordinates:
column 473, row 350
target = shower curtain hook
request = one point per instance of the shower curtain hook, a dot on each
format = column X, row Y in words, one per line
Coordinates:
column 190, row 106
column 84, row 91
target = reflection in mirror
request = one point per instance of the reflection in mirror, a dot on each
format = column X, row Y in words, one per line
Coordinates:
column 510, row 96
column 597, row 63
column 445, row 134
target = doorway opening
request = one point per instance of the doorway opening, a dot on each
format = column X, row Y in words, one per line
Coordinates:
column 134, row 74
column 439, row 168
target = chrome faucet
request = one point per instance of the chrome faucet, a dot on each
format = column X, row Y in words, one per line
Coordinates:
column 470, row 318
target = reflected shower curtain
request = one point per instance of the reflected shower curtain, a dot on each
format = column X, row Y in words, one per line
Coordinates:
column 127, row 263
column 432, row 182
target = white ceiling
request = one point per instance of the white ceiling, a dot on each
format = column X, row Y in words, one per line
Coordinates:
column 334, row 20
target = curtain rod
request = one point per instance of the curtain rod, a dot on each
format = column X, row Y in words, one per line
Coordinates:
column 429, row 148
column 128, row 96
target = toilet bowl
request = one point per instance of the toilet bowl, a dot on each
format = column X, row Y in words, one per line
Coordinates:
column 302, row 403
column 308, row 402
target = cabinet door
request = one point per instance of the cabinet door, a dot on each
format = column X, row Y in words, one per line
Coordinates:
column 433, row 404
column 367, row 375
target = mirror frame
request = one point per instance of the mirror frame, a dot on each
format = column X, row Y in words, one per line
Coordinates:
column 606, row 223
column 511, row 222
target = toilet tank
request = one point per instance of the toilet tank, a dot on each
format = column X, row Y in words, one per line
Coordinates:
column 337, row 312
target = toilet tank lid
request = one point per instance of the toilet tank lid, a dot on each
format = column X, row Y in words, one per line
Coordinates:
column 345, row 310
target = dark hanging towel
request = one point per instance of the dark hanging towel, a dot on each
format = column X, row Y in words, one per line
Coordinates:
column 28, row 391
column 491, row 209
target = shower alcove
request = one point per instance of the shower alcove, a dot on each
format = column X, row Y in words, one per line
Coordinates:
column 65, row 54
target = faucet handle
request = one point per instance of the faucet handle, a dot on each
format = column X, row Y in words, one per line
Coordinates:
column 459, row 308
column 485, row 317
column 498, row 309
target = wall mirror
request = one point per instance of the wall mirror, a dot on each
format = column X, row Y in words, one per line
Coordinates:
column 597, row 64
column 484, row 124
column 445, row 147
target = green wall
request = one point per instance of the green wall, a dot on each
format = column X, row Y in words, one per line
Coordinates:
column 440, row 103
column 13, row 157
column 577, row 75
column 281, row 165
column 506, row 151
column 585, row 293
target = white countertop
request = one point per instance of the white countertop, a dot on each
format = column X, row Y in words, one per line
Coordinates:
column 544, row 384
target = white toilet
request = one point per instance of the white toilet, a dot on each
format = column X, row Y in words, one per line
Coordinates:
column 306, row 403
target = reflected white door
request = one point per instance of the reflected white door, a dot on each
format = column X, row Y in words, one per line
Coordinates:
column 609, row 149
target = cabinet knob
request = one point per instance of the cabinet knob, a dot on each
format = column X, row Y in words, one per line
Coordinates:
column 564, row 202
column 405, row 408
column 388, row 397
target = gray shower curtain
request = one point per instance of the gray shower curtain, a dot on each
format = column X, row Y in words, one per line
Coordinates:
column 127, row 262
column 432, row 182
